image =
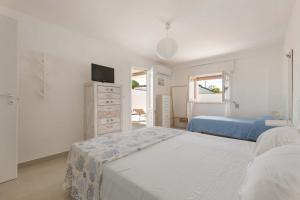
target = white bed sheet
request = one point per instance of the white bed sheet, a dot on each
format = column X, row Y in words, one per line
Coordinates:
column 188, row 167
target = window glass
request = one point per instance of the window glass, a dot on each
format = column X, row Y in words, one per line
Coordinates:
column 207, row 88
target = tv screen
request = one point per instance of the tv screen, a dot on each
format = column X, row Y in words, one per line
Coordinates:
column 103, row 74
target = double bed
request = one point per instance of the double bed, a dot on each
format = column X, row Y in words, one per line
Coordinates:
column 237, row 128
column 158, row 164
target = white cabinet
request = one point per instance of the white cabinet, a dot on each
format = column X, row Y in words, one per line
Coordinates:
column 102, row 109
column 163, row 109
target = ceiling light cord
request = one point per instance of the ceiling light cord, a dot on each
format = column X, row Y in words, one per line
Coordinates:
column 168, row 27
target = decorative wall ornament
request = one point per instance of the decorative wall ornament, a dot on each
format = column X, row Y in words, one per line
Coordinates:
column 161, row 81
column 41, row 75
column 37, row 62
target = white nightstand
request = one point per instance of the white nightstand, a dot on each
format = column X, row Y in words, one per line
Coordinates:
column 278, row 123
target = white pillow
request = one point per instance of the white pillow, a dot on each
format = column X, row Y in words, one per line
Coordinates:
column 274, row 175
column 276, row 137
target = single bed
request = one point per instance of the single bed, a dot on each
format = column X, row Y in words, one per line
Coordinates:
column 181, row 166
column 237, row 128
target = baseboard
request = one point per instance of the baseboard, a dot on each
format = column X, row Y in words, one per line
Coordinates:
column 32, row 162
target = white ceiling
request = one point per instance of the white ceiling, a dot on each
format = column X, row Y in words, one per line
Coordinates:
column 203, row 28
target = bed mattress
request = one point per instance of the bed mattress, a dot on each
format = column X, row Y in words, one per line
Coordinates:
column 187, row 167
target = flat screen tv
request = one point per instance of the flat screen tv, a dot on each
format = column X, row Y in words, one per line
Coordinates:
column 103, row 74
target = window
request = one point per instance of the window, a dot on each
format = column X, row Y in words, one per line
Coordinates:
column 208, row 88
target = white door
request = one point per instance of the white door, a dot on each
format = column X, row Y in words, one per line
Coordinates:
column 8, row 104
column 150, row 98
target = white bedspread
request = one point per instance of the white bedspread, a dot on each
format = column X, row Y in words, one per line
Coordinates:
column 187, row 167
column 87, row 160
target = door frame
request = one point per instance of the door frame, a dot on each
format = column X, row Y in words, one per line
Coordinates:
column 150, row 101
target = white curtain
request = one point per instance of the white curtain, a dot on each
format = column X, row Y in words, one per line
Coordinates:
column 190, row 108
column 227, row 92
column 290, row 86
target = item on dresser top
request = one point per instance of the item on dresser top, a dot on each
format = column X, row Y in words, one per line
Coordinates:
column 276, row 115
column 87, row 159
column 274, row 175
column 237, row 128
column 276, row 137
column 102, row 109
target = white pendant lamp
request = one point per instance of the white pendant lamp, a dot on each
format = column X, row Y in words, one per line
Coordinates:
column 167, row 47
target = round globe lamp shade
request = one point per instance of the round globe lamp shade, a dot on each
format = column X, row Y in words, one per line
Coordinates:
column 167, row 48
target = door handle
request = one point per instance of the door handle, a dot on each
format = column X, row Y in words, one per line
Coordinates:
column 11, row 99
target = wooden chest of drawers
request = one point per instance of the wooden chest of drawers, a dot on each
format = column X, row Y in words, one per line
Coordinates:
column 102, row 109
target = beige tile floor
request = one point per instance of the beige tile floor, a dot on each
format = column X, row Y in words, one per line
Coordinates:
column 137, row 125
column 40, row 181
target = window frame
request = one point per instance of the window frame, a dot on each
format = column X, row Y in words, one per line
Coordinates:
column 194, row 99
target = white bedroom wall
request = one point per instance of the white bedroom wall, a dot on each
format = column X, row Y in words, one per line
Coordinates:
column 257, row 81
column 51, row 124
column 292, row 41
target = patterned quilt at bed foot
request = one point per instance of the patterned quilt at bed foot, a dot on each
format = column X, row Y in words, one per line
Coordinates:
column 87, row 159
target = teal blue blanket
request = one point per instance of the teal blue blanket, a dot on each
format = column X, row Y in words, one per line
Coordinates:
column 238, row 128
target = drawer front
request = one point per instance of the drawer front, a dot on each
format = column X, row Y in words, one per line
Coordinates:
column 166, row 116
column 108, row 114
column 108, row 120
column 107, row 89
column 108, row 128
column 104, row 102
column 109, row 96
column 109, row 108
